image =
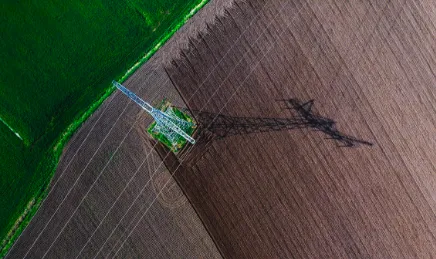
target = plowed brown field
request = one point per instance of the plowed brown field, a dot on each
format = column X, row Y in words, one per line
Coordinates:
column 370, row 66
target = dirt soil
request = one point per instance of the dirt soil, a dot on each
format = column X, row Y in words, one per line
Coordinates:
column 369, row 66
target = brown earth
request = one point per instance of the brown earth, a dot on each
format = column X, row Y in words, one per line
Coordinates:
column 370, row 66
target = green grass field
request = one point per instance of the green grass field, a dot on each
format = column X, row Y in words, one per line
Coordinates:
column 58, row 59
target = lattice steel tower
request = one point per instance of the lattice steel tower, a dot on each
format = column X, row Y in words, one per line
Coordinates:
column 167, row 122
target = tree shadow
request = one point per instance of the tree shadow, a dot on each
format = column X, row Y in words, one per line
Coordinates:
column 217, row 126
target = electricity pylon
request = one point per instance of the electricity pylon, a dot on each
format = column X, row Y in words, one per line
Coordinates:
column 168, row 123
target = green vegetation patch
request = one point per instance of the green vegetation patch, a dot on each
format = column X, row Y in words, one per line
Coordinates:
column 178, row 142
column 58, row 59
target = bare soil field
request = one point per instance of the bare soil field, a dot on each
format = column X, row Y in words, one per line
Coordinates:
column 369, row 66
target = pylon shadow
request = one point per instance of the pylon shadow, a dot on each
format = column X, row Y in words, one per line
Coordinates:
column 217, row 126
